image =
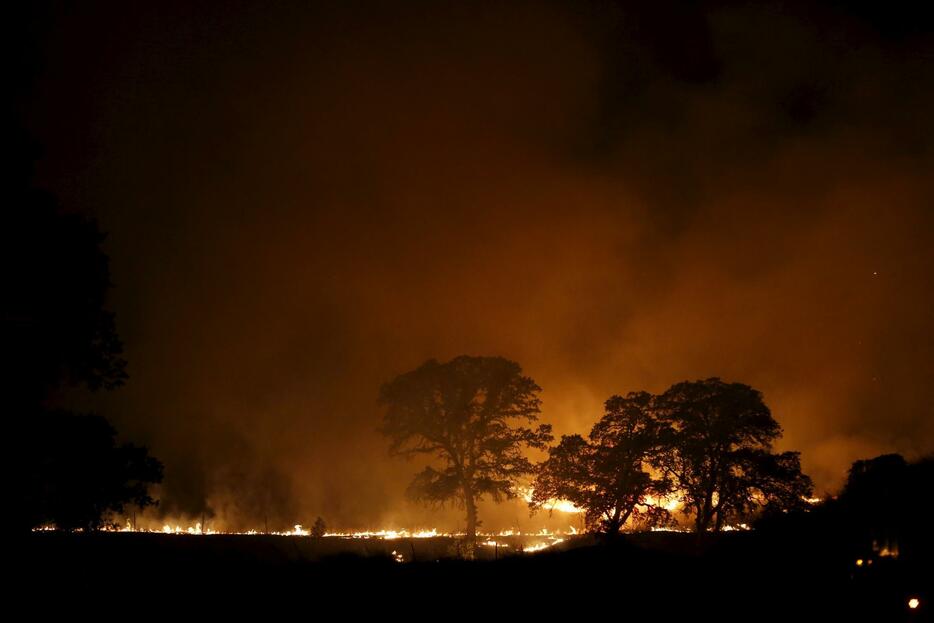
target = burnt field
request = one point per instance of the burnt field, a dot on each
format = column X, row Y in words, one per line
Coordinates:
column 736, row 576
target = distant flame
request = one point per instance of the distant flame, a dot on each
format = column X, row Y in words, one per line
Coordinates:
column 537, row 541
column 387, row 535
column 384, row 534
column 668, row 503
column 540, row 546
column 563, row 506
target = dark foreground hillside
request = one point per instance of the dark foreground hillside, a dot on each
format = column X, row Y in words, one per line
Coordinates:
column 668, row 576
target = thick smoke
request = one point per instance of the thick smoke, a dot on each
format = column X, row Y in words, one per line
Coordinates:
column 302, row 204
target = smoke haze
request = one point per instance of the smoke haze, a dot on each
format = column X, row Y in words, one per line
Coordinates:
column 304, row 202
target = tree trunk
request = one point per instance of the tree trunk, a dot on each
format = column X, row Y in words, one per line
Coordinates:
column 625, row 517
column 471, row 506
column 613, row 525
column 706, row 513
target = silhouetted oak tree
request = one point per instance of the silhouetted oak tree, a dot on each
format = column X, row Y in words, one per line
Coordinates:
column 608, row 476
column 721, row 456
column 55, row 330
column 464, row 413
column 55, row 326
column 319, row 529
column 887, row 501
column 83, row 475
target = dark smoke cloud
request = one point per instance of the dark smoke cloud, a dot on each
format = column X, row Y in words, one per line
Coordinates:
column 303, row 203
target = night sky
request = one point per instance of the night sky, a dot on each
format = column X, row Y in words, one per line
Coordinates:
column 303, row 201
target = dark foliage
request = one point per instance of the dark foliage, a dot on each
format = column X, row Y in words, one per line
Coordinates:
column 55, row 326
column 721, row 457
column 319, row 529
column 887, row 505
column 463, row 413
column 609, row 476
column 80, row 475
column 56, row 331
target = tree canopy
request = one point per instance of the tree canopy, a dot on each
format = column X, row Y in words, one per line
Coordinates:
column 319, row 528
column 468, row 415
column 886, row 501
column 56, row 331
column 721, row 457
column 55, row 326
column 609, row 476
column 81, row 475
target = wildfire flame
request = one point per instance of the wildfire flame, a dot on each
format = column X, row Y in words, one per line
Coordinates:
column 540, row 546
column 670, row 504
column 298, row 530
column 563, row 506
column 388, row 535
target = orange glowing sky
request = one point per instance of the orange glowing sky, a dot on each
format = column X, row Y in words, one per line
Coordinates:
column 302, row 203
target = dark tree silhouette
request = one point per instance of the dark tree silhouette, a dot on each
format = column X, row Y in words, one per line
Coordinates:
column 319, row 529
column 609, row 476
column 879, row 482
column 82, row 475
column 721, row 456
column 55, row 326
column 55, row 330
column 463, row 413
column 886, row 504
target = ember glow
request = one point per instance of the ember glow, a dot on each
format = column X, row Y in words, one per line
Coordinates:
column 562, row 506
column 388, row 535
column 528, row 542
column 168, row 529
column 542, row 546
column 670, row 503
